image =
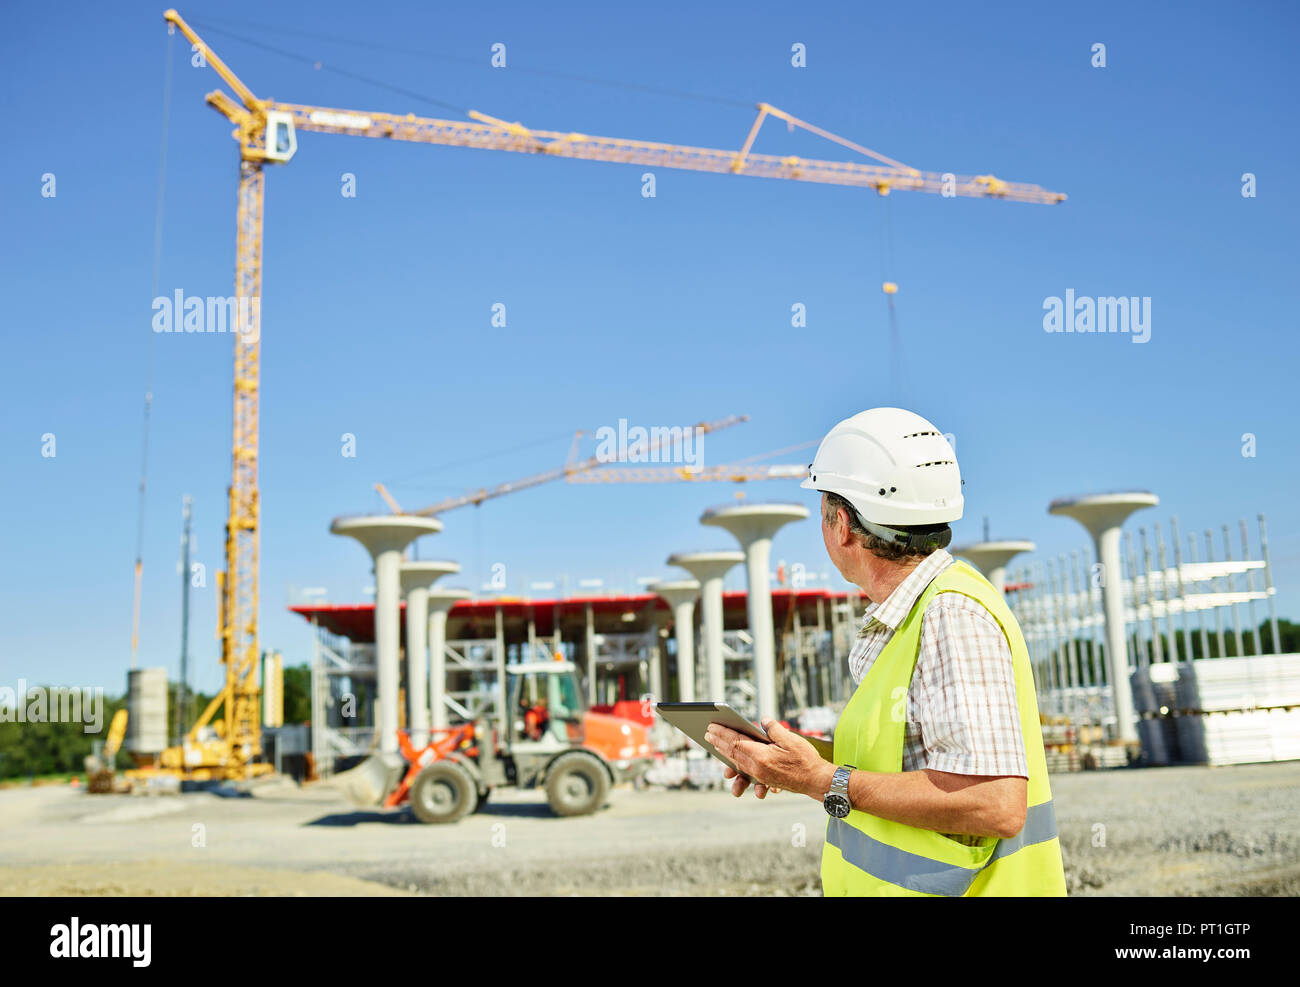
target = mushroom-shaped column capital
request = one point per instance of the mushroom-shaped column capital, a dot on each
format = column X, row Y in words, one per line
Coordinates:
column 676, row 591
column 754, row 522
column 991, row 558
column 385, row 532
column 422, row 575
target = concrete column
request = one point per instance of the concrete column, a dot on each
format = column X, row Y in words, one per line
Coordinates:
column 318, row 687
column 680, row 595
column 754, row 526
column 385, row 538
column 417, row 579
column 591, row 655
column 991, row 558
column 655, row 684
column 502, row 689
column 440, row 602
column 709, row 568
column 1103, row 515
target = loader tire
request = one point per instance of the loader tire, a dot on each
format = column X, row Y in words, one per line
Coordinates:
column 443, row 793
column 576, row 785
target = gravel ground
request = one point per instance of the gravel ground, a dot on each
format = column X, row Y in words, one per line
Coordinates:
column 1182, row 831
column 1170, row 831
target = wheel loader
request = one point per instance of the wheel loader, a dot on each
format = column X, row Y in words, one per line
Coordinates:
column 552, row 741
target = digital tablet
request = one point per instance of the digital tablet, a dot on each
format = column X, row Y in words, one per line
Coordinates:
column 693, row 719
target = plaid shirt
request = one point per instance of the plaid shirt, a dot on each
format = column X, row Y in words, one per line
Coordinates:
column 962, row 714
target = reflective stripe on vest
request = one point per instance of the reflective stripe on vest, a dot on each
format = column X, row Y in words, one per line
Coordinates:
column 917, row 873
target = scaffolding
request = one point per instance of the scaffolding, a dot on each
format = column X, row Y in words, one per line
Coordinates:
column 1183, row 619
column 342, row 697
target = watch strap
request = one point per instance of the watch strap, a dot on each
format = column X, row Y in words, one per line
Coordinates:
column 840, row 780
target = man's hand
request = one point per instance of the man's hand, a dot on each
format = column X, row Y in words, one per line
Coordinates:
column 788, row 762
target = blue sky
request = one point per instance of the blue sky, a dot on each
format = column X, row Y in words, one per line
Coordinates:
column 664, row 311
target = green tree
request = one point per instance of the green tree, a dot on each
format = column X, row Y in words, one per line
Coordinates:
column 297, row 694
column 32, row 749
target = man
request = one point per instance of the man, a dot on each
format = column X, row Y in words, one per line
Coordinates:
column 938, row 784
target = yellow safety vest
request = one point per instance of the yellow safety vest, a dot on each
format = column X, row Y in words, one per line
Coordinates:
column 867, row 855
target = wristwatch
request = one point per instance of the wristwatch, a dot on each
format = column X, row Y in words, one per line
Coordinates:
column 837, row 799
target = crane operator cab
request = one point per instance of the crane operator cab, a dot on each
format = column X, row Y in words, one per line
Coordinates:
column 281, row 138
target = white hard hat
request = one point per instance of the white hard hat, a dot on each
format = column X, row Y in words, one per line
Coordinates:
column 893, row 466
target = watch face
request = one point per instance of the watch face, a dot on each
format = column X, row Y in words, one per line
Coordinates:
column 837, row 805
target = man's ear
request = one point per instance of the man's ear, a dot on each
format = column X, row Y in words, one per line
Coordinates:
column 843, row 533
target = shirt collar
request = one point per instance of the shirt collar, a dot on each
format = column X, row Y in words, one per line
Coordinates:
column 895, row 607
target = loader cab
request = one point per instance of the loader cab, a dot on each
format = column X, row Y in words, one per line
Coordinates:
column 546, row 705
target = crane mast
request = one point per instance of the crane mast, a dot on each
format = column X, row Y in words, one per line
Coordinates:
column 240, row 745
column 239, row 651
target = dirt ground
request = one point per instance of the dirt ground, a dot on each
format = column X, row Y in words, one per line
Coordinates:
column 1170, row 831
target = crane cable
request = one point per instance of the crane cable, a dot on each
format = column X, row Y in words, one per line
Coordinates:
column 890, row 289
column 322, row 66
column 208, row 24
column 148, row 389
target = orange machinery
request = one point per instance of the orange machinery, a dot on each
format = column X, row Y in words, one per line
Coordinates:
column 552, row 741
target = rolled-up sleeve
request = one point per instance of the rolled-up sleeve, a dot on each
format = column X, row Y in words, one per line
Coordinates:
column 964, row 692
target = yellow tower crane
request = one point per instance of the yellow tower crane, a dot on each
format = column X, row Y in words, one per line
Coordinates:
column 267, row 134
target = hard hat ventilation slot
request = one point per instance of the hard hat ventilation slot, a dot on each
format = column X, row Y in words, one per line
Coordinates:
column 917, row 435
column 938, row 462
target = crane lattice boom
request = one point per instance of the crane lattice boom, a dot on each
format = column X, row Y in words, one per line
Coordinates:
column 495, row 135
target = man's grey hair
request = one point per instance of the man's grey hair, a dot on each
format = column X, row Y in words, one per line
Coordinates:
column 876, row 545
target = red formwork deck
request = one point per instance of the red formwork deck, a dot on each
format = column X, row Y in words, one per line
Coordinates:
column 476, row 618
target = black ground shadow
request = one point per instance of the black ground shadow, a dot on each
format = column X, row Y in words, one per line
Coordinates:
column 405, row 817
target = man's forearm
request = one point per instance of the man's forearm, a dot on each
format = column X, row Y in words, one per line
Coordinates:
column 935, row 800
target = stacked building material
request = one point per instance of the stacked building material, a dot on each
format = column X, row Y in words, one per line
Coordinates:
column 1221, row 710
column 1260, row 682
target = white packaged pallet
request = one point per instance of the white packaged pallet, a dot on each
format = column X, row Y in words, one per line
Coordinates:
column 1217, row 684
column 1240, row 737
